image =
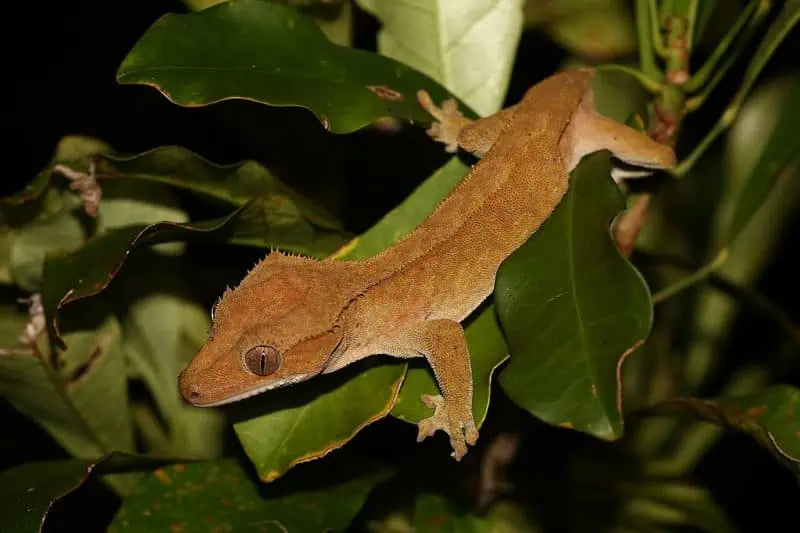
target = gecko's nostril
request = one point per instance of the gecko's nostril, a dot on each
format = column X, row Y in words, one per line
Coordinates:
column 188, row 389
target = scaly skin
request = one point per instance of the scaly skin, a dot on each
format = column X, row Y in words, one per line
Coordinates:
column 292, row 318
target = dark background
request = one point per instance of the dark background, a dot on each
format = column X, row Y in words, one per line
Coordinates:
column 62, row 62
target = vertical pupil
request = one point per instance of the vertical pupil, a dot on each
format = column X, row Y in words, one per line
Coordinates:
column 261, row 360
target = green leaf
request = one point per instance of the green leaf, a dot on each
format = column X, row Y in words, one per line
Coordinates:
column 74, row 151
column 272, row 222
column 31, row 244
column 6, row 242
column 276, row 217
column 408, row 215
column 56, row 225
column 280, row 430
column 162, row 331
column 89, row 270
column 572, row 308
column 30, row 490
column 83, row 401
column 328, row 411
column 12, row 322
column 221, row 496
column 286, row 218
column 272, row 54
column 771, row 416
column 487, row 350
column 468, row 46
column 235, row 184
column 779, row 159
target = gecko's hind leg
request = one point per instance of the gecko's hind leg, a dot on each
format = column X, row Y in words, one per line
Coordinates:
column 454, row 129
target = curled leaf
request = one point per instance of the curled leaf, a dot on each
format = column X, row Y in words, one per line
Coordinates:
column 89, row 270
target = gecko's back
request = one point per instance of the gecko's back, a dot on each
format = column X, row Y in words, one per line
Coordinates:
column 447, row 265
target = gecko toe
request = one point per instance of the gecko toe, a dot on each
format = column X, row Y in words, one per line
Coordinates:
column 459, row 428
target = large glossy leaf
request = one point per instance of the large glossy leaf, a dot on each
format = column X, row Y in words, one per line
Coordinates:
column 467, row 46
column 278, row 432
column 487, row 350
column 779, row 159
column 221, row 496
column 572, row 308
column 271, row 53
column 771, row 416
column 29, row 491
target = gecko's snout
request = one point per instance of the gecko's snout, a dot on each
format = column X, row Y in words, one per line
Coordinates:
column 188, row 388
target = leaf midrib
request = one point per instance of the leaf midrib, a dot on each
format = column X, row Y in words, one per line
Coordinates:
column 574, row 285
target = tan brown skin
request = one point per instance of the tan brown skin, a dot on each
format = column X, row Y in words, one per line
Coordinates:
column 292, row 318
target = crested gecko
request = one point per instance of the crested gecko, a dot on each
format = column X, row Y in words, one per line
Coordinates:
column 292, row 318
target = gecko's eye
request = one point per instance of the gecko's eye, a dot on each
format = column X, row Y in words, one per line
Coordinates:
column 262, row 360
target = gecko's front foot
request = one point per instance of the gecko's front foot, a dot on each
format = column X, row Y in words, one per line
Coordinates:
column 449, row 120
column 460, row 427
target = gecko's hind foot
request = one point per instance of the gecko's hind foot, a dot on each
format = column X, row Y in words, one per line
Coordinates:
column 460, row 428
column 449, row 120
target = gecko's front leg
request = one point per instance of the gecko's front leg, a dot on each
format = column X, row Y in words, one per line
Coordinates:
column 453, row 129
column 443, row 344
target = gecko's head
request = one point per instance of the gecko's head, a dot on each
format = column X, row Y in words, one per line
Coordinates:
column 276, row 328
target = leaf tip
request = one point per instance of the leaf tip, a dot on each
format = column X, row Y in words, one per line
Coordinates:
column 270, row 476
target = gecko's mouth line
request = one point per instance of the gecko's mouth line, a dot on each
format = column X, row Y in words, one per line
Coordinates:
column 252, row 392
